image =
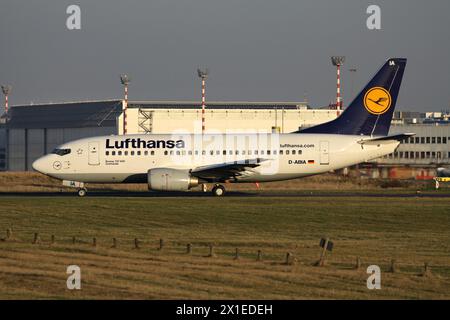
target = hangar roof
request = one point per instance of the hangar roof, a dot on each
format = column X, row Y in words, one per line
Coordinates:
column 216, row 105
column 65, row 115
column 104, row 113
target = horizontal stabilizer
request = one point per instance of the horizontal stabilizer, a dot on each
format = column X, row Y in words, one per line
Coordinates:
column 396, row 137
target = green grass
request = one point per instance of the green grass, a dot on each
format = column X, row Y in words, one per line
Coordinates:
column 410, row 230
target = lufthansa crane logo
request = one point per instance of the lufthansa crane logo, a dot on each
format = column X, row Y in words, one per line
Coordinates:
column 377, row 100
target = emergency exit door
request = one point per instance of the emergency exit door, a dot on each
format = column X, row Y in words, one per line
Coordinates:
column 324, row 152
column 93, row 154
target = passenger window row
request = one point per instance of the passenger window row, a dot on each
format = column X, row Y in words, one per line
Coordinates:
column 204, row 152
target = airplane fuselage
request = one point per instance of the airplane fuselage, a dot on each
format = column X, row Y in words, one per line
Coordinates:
column 128, row 159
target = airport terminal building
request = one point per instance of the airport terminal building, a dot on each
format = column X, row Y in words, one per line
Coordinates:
column 34, row 130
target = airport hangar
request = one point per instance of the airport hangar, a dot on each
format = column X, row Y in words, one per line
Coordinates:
column 34, row 130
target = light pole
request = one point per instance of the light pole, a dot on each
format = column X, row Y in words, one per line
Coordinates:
column 338, row 61
column 203, row 74
column 6, row 89
column 125, row 80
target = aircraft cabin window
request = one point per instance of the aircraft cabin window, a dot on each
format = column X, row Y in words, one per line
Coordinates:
column 145, row 153
column 287, row 152
column 256, row 152
column 152, row 153
column 224, row 152
column 125, row 153
column 190, row 152
column 107, row 153
column 132, row 153
column 61, row 152
column 119, row 153
column 139, row 152
column 165, row 153
column 275, row 152
column 293, row 152
column 268, row 152
column 262, row 152
column 113, row 153
column 281, row 152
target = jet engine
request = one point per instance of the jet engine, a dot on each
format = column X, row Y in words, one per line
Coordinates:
column 164, row 179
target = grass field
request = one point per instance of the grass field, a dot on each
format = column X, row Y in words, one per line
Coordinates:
column 410, row 230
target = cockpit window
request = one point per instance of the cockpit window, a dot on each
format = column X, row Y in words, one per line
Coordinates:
column 61, row 152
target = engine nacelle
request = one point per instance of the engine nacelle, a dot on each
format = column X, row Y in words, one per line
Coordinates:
column 164, row 179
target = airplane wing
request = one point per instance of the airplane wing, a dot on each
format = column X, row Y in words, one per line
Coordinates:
column 396, row 137
column 227, row 171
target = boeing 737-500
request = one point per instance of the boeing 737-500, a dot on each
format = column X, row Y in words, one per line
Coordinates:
column 179, row 162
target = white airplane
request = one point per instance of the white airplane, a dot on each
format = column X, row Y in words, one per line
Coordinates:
column 179, row 162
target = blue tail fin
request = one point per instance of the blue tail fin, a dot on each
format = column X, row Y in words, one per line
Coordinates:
column 370, row 113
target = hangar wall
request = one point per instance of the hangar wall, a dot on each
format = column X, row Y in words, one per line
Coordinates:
column 26, row 145
column 221, row 120
column 34, row 130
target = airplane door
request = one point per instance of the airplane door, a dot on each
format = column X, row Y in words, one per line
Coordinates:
column 93, row 154
column 324, row 152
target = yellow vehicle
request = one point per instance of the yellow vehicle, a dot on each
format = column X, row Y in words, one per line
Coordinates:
column 443, row 175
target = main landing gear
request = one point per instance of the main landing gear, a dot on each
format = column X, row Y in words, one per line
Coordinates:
column 218, row 190
column 82, row 192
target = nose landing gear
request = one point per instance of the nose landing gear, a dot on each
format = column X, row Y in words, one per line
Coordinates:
column 218, row 190
column 82, row 192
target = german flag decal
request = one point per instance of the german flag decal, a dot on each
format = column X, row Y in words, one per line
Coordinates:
column 310, row 161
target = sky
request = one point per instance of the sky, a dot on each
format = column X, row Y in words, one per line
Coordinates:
column 256, row 50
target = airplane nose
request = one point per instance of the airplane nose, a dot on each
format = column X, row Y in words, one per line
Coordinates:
column 38, row 165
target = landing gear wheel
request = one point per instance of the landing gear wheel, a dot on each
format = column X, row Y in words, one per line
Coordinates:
column 82, row 192
column 218, row 190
